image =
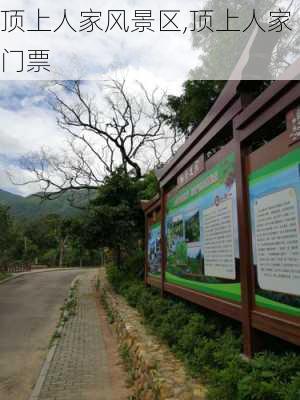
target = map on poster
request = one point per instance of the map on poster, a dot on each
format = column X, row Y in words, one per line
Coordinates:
column 154, row 250
column 275, row 209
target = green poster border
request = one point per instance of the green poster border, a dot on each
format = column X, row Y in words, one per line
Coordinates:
column 155, row 226
column 283, row 163
column 231, row 291
column 171, row 208
column 271, row 169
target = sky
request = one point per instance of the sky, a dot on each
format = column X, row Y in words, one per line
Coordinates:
column 28, row 123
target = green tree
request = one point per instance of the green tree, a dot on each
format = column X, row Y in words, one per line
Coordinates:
column 11, row 238
column 186, row 111
column 46, row 239
column 116, row 219
column 6, row 235
column 270, row 54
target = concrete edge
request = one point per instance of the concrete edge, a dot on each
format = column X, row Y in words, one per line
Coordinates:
column 44, row 371
column 153, row 377
column 46, row 365
column 11, row 278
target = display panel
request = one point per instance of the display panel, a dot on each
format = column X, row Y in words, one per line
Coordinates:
column 202, row 234
column 275, row 209
column 154, row 250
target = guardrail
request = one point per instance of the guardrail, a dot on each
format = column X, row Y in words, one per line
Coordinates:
column 15, row 268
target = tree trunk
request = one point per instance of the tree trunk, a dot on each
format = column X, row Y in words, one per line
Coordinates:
column 61, row 252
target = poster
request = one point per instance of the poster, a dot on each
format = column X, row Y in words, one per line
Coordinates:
column 202, row 234
column 154, row 250
column 275, row 210
column 219, row 241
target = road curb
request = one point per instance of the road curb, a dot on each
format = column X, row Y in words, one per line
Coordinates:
column 46, row 365
column 11, row 278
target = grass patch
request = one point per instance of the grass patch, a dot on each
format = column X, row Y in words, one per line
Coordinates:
column 108, row 309
column 67, row 311
column 4, row 275
column 210, row 346
column 128, row 364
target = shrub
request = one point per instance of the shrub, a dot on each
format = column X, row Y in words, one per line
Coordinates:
column 223, row 384
column 293, row 390
column 133, row 293
column 134, row 264
column 116, row 277
column 210, row 347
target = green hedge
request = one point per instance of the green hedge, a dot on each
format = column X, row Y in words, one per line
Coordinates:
column 210, row 347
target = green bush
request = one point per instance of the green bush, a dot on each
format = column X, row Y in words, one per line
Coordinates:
column 223, row 383
column 134, row 263
column 116, row 277
column 293, row 390
column 210, row 347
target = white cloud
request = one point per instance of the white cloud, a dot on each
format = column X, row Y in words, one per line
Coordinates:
column 28, row 130
column 81, row 54
column 29, row 124
column 9, row 186
column 25, row 127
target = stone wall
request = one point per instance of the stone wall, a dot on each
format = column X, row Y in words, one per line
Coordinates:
column 156, row 373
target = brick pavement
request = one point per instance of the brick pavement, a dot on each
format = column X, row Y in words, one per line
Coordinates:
column 82, row 367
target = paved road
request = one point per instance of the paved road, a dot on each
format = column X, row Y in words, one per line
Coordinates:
column 29, row 310
column 86, row 365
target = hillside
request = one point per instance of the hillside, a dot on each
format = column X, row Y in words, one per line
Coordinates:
column 32, row 207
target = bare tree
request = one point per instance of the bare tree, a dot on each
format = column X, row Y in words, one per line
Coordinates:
column 124, row 129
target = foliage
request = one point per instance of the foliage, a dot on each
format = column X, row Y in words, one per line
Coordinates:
column 116, row 219
column 32, row 208
column 186, row 111
column 211, row 347
column 221, row 53
column 48, row 240
column 128, row 363
column 4, row 275
column 293, row 390
column 11, row 240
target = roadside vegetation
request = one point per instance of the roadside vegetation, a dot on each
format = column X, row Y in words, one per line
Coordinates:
column 50, row 240
column 211, row 346
column 67, row 311
column 4, row 275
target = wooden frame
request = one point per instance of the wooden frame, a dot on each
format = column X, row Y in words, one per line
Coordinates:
column 151, row 208
column 278, row 100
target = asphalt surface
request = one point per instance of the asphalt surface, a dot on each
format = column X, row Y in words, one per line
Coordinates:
column 29, row 310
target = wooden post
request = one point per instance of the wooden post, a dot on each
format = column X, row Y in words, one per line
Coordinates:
column 163, row 240
column 245, row 249
column 146, row 269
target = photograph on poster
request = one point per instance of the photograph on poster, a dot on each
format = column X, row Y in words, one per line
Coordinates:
column 275, row 209
column 154, row 250
column 202, row 234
